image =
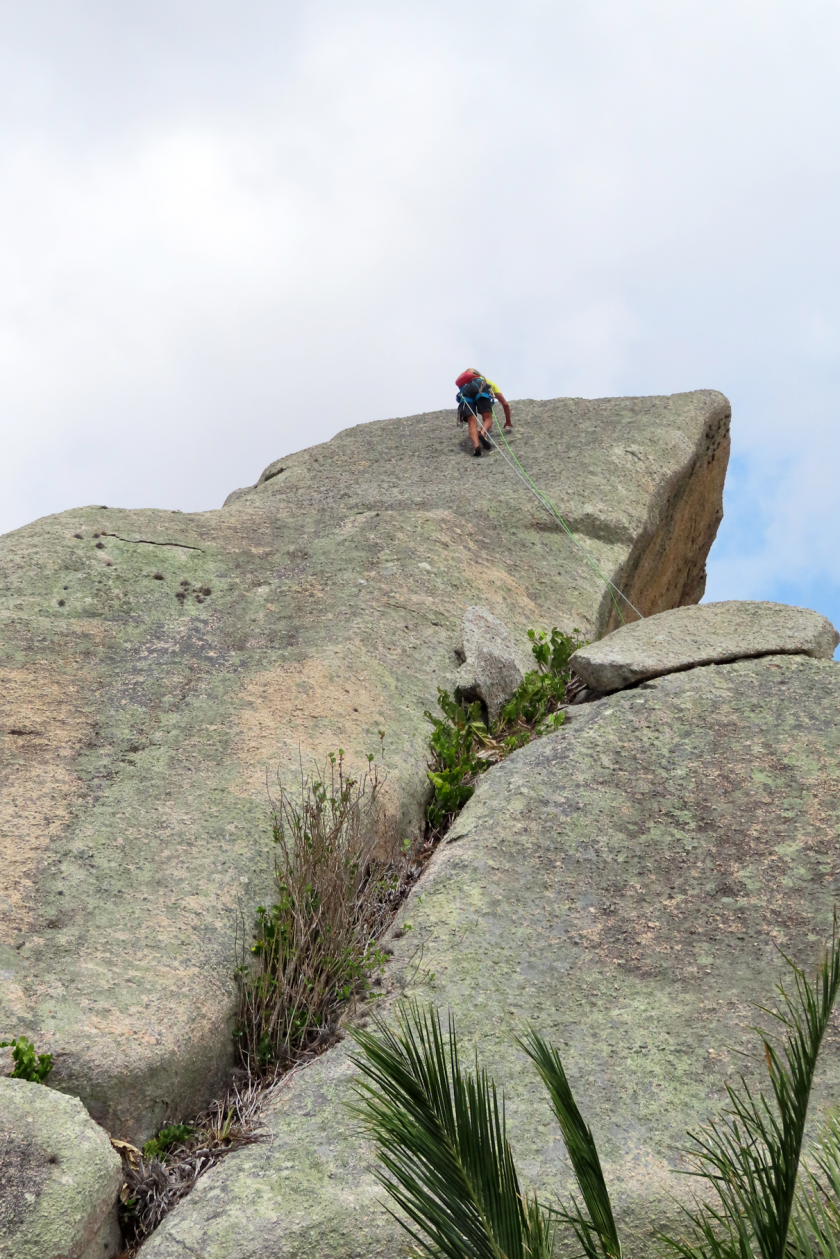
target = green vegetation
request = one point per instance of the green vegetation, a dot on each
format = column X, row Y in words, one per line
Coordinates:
column 175, row 1134
column 166, row 1169
column 462, row 744
column 441, row 1139
column 338, row 875
column 446, row 1161
column 816, row 1221
column 339, row 872
column 751, row 1157
column 29, row 1065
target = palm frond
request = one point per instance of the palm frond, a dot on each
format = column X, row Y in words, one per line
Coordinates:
column 441, row 1139
column 815, row 1226
column 595, row 1228
column 751, row 1157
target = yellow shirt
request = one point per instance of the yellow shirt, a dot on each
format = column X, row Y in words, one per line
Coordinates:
column 490, row 382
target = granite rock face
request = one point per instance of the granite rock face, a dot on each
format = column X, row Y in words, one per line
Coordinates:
column 493, row 668
column 157, row 668
column 710, row 633
column 59, row 1177
column 623, row 886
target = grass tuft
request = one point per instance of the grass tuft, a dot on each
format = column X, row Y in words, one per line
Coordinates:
column 166, row 1169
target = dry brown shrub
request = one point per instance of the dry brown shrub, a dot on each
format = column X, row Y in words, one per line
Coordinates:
column 337, row 884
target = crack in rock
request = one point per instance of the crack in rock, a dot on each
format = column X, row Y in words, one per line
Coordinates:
column 148, row 542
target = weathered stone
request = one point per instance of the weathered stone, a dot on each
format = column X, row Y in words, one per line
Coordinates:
column 623, row 886
column 710, row 633
column 137, row 727
column 493, row 667
column 59, row 1177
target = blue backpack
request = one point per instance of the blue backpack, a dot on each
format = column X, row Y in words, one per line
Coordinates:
column 468, row 395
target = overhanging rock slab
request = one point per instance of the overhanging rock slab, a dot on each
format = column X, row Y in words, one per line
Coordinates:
column 708, row 633
column 624, row 886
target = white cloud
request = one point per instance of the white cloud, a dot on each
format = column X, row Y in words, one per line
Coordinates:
column 228, row 231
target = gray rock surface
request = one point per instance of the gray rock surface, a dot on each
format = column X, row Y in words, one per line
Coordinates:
column 493, row 667
column 59, row 1177
column 709, row 633
column 623, row 886
column 156, row 667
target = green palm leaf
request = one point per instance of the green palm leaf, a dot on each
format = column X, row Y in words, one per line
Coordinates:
column 441, row 1139
column 815, row 1226
column 751, row 1157
column 595, row 1229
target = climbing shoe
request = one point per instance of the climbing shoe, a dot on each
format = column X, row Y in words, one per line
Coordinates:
column 485, row 443
column 477, row 452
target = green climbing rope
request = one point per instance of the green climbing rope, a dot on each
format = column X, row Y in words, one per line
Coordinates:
column 546, row 502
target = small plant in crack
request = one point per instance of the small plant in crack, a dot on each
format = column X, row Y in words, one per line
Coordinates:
column 339, row 874
column 166, row 1169
column 174, row 1134
column 29, row 1064
column 463, row 746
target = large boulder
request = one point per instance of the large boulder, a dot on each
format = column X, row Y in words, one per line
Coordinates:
column 59, row 1177
column 624, row 886
column 158, row 670
column 708, row 633
column 493, row 668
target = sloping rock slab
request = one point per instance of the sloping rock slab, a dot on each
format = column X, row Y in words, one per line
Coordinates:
column 709, row 633
column 493, row 668
column 59, row 1177
column 623, row 886
column 157, row 668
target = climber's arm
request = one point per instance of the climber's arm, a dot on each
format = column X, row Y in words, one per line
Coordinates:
column 506, row 406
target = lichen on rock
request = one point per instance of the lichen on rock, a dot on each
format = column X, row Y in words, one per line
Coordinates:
column 708, row 633
column 624, row 887
column 158, row 670
column 59, row 1177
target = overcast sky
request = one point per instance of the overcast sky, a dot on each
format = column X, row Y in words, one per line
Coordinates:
column 229, row 230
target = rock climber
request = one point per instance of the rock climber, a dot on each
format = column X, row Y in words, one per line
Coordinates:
column 476, row 397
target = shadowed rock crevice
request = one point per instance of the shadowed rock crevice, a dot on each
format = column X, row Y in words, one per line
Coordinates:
column 667, row 564
column 150, row 542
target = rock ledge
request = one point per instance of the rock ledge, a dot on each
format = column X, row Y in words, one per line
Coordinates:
column 708, row 633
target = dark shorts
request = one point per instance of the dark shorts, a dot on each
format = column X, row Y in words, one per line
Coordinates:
column 483, row 406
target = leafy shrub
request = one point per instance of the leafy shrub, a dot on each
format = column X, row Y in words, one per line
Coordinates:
column 29, row 1065
column 446, row 1161
column 455, row 742
column 175, row 1134
column 543, row 689
column 337, row 875
column 463, row 746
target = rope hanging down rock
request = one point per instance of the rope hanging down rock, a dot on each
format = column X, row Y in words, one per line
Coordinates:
column 545, row 502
